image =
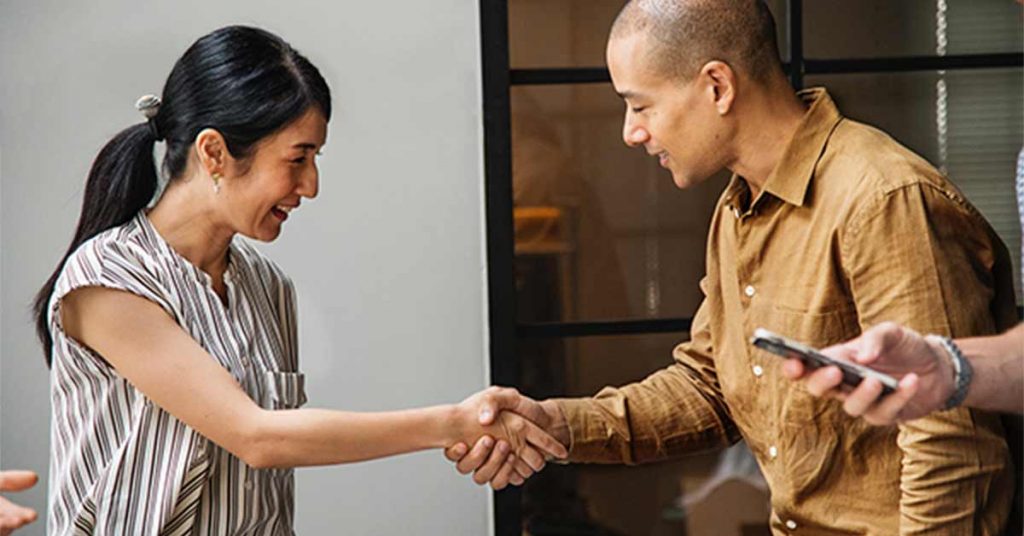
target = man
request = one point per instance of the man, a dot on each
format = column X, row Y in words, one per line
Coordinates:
column 827, row 227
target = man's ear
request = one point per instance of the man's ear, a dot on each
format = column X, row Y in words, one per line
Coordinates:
column 212, row 151
column 720, row 81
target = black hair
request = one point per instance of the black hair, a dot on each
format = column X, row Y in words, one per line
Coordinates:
column 244, row 82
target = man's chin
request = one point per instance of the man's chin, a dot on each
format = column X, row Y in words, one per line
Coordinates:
column 684, row 181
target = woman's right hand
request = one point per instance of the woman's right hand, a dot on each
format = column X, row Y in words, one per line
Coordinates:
column 521, row 447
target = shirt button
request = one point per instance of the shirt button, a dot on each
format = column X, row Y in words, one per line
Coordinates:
column 248, row 484
column 245, row 361
column 749, row 291
column 758, row 371
column 791, row 525
column 773, row 452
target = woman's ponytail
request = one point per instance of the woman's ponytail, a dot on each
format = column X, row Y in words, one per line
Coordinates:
column 122, row 181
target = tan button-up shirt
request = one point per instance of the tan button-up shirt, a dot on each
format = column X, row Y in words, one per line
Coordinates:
column 852, row 229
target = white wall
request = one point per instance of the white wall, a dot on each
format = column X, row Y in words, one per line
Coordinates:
column 388, row 261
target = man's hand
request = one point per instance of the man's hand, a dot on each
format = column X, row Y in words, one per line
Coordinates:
column 500, row 403
column 13, row 516
column 924, row 373
column 522, row 447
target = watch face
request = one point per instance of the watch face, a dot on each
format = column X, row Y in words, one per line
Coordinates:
column 961, row 368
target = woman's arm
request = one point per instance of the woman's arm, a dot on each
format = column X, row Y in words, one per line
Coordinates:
column 149, row 349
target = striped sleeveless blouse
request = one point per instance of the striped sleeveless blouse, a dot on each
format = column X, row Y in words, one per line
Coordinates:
column 120, row 465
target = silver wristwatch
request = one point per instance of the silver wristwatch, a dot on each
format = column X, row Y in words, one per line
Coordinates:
column 962, row 370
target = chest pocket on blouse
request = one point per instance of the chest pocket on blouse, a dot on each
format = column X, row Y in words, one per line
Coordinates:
column 284, row 390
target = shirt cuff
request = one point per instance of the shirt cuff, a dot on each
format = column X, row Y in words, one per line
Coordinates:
column 591, row 437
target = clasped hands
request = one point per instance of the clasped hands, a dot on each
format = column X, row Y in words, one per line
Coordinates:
column 513, row 437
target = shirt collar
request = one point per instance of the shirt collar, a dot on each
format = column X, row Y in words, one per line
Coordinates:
column 792, row 175
column 175, row 259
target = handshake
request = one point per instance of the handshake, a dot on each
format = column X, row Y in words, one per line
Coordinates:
column 512, row 436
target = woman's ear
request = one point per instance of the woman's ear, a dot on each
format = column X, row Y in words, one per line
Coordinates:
column 212, row 151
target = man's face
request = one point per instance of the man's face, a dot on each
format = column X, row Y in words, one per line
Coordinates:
column 675, row 120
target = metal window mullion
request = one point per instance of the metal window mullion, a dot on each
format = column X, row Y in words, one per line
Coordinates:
column 508, row 513
column 602, row 328
column 594, row 75
column 795, row 37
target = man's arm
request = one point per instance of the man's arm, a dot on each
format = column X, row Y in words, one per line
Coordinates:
column 918, row 256
column 998, row 362
column 676, row 410
column 925, row 373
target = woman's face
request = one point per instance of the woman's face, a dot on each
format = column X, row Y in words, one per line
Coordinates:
column 261, row 191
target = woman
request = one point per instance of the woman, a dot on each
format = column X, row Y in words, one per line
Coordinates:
column 172, row 343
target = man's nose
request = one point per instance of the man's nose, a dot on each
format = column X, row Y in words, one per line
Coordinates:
column 634, row 135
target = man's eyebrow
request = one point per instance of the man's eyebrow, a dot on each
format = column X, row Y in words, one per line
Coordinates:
column 629, row 94
column 309, row 146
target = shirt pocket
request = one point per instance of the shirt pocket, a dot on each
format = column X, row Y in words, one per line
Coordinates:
column 817, row 328
column 284, row 390
column 808, row 426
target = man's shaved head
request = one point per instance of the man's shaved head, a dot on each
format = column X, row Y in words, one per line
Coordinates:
column 686, row 34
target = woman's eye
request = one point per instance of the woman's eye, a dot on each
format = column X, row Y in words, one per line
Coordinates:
column 638, row 109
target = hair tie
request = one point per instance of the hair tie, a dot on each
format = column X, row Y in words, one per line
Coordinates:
column 149, row 105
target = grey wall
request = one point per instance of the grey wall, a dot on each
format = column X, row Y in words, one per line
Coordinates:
column 388, row 261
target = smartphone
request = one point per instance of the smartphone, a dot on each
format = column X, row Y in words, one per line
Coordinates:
column 853, row 373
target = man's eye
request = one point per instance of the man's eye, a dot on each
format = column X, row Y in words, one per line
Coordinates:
column 299, row 160
column 638, row 109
